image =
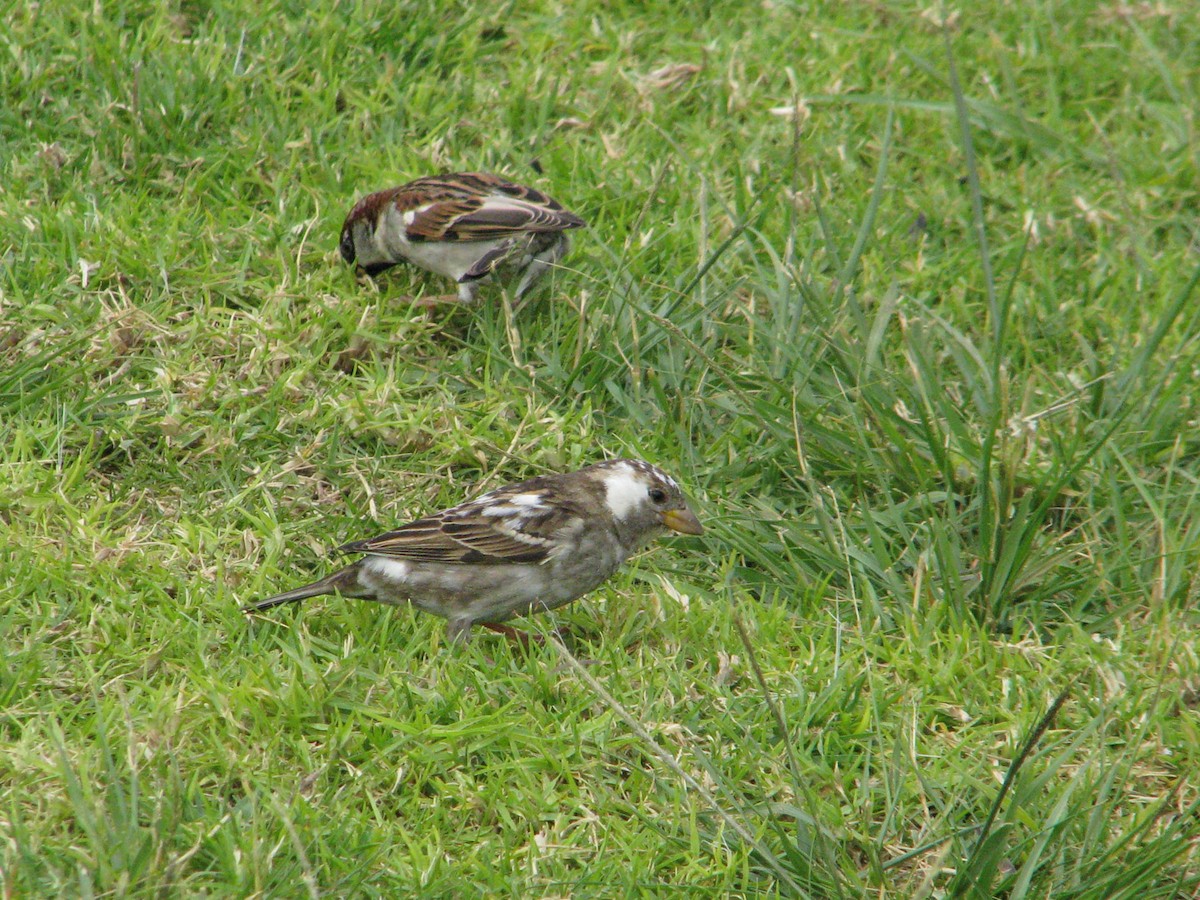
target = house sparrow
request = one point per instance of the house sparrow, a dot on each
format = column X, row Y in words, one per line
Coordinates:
column 462, row 226
column 519, row 549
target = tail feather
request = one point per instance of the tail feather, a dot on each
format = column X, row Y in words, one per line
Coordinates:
column 341, row 582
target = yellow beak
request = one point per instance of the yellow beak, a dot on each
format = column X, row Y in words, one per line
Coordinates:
column 682, row 520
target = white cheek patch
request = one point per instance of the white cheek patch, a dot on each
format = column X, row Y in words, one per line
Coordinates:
column 624, row 492
column 392, row 569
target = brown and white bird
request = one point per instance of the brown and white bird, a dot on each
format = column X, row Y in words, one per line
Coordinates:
column 464, row 226
column 524, row 548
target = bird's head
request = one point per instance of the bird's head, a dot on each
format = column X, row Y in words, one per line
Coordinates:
column 643, row 499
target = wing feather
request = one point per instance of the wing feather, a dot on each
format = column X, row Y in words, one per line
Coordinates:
column 473, row 206
column 468, row 534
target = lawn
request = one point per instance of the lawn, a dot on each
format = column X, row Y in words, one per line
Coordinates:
column 905, row 298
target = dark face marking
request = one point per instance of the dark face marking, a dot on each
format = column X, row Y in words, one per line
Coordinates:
column 347, row 245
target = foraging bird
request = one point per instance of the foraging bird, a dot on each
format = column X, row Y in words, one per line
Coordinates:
column 464, row 226
column 519, row 549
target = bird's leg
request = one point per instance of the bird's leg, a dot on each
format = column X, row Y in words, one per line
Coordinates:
column 458, row 631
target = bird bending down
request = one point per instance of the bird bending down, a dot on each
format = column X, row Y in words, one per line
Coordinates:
column 519, row 549
column 464, row 226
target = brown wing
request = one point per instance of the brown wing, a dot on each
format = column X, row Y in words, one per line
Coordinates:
column 474, row 206
column 466, row 535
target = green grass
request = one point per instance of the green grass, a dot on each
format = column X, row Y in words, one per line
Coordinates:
column 924, row 352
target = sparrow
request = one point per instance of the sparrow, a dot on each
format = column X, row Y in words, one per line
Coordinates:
column 463, row 226
column 524, row 548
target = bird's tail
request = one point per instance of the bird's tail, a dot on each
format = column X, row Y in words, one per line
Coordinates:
column 344, row 582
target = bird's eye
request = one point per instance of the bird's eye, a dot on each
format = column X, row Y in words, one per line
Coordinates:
column 658, row 495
